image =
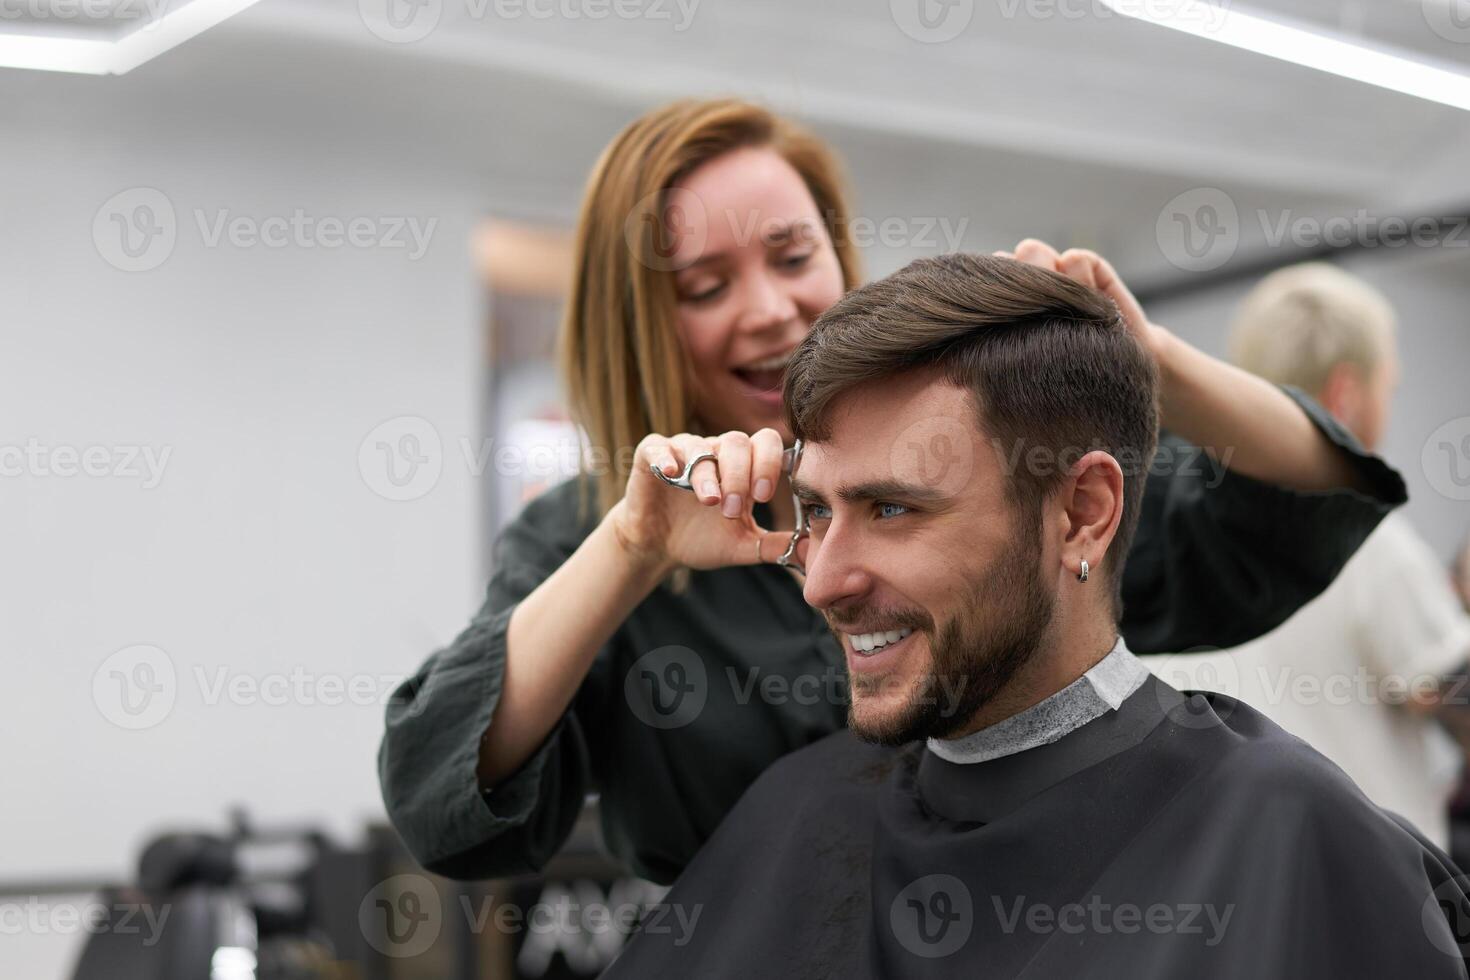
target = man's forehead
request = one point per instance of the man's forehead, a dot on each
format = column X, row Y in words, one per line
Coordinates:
column 915, row 428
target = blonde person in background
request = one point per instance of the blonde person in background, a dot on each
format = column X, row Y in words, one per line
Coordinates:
column 1361, row 672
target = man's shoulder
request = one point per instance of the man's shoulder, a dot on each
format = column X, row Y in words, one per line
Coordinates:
column 1263, row 769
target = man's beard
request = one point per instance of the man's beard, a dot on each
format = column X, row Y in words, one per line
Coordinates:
column 975, row 654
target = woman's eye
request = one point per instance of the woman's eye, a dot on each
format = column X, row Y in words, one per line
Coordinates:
column 705, row 294
column 795, row 261
column 892, row 510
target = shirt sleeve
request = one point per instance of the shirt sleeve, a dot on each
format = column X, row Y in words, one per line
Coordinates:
column 1410, row 622
column 1219, row 558
column 435, row 721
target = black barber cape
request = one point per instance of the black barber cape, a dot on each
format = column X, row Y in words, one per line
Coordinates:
column 1178, row 836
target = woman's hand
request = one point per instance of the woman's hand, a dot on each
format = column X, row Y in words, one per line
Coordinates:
column 1246, row 423
column 1095, row 272
column 666, row 527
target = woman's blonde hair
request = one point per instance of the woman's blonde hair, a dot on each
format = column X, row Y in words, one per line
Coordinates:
column 627, row 374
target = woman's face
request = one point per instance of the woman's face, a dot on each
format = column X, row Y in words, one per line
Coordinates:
column 755, row 266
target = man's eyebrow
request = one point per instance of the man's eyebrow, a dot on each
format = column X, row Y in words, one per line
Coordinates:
column 805, row 490
column 874, row 490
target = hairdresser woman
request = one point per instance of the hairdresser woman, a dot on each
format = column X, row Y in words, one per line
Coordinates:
column 493, row 745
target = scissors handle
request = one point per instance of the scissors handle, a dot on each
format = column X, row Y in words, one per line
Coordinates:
column 790, row 457
column 681, row 482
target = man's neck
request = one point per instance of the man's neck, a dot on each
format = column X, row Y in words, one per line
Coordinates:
column 1102, row 689
column 1065, row 655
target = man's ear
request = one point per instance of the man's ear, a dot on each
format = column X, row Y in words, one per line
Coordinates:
column 1343, row 393
column 1092, row 501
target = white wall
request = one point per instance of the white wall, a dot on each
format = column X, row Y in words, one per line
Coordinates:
column 263, row 550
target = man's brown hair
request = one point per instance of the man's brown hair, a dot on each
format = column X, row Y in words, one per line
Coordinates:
column 1048, row 362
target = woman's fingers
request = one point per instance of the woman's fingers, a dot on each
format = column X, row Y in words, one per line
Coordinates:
column 1079, row 264
column 771, row 545
column 1037, row 253
column 654, row 450
column 1094, row 272
column 706, row 477
column 766, row 452
column 1115, row 289
column 735, row 459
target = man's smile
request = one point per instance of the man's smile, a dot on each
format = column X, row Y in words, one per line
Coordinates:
column 875, row 651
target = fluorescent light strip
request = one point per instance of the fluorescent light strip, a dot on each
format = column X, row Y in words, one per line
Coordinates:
column 116, row 57
column 1211, row 20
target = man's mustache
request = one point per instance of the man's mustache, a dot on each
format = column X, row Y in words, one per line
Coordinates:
column 870, row 619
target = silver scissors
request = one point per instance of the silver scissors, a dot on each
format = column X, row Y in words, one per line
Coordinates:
column 790, row 459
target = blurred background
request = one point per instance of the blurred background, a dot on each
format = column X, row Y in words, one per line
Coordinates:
column 276, row 308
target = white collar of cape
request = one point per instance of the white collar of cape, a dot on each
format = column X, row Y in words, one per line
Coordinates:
column 1102, row 689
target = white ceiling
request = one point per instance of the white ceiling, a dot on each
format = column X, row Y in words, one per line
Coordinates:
column 1041, row 116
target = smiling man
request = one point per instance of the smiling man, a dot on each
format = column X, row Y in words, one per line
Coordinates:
column 1017, row 795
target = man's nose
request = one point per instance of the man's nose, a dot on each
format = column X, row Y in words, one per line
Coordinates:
column 835, row 572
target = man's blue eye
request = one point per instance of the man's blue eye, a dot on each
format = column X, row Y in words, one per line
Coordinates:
column 818, row 512
column 892, row 510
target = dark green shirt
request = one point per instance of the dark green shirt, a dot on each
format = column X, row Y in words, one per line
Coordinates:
column 699, row 691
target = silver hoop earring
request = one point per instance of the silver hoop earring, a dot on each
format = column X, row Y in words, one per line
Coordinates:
column 1082, row 575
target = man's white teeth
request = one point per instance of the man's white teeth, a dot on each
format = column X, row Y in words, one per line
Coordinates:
column 869, row 642
column 769, row 364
